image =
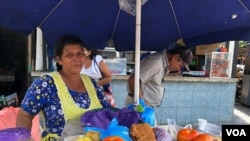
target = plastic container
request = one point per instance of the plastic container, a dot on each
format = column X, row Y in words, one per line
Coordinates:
column 117, row 66
column 15, row 134
column 218, row 64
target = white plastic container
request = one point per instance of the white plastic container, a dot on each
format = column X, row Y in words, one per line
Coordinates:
column 117, row 66
column 218, row 64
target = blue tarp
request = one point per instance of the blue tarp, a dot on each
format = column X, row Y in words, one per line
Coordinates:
column 199, row 21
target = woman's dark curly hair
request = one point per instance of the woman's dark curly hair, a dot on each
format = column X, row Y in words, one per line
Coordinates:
column 94, row 52
column 65, row 40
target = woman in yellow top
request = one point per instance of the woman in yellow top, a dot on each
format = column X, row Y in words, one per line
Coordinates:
column 63, row 94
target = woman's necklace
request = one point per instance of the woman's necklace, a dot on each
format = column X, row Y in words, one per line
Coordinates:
column 75, row 84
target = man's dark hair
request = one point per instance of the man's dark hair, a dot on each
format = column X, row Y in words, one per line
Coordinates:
column 185, row 54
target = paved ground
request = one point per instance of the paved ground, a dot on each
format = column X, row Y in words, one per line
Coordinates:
column 241, row 117
column 241, row 114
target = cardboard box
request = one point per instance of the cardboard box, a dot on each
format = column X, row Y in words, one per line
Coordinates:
column 203, row 49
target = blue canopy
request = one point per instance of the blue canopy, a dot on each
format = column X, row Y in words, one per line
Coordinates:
column 96, row 21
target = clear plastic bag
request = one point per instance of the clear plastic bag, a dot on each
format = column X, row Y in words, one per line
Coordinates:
column 72, row 128
column 171, row 129
column 129, row 6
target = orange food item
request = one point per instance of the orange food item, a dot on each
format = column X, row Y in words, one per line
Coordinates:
column 95, row 136
column 113, row 138
column 142, row 132
column 203, row 137
column 187, row 134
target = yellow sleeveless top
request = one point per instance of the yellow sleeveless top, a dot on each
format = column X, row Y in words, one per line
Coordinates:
column 70, row 109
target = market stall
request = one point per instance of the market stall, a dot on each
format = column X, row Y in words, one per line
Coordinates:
column 209, row 98
column 184, row 105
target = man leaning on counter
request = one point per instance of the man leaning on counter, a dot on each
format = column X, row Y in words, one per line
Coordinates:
column 153, row 70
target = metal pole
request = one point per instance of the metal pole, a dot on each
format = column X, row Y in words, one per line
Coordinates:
column 137, row 51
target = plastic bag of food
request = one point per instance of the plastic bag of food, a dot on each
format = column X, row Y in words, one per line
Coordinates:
column 101, row 118
column 112, row 130
column 161, row 134
column 72, row 128
column 171, row 129
column 146, row 112
column 148, row 115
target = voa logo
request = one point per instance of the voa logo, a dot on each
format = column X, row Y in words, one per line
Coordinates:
column 236, row 132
